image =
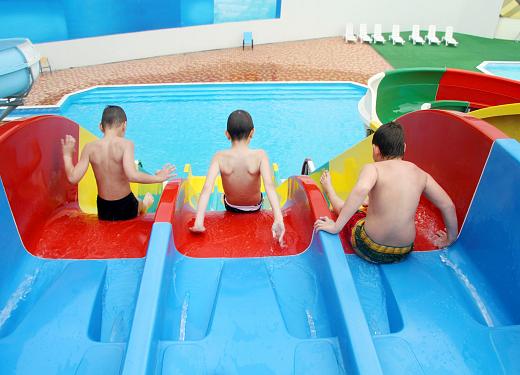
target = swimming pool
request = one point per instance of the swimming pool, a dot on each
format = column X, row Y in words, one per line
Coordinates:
column 507, row 69
column 185, row 123
column 54, row 20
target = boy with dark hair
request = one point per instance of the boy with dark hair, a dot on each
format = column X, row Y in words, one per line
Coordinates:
column 112, row 159
column 241, row 168
column 385, row 232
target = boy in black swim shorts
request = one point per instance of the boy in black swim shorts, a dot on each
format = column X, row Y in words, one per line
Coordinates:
column 112, row 159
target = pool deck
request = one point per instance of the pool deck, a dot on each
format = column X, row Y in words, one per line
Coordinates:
column 328, row 59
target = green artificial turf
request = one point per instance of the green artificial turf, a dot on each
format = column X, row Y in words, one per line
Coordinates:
column 470, row 52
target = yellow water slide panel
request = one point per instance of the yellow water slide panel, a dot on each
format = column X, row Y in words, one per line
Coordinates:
column 345, row 168
column 505, row 117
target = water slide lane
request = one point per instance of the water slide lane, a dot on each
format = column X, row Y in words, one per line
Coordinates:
column 249, row 314
column 465, row 142
column 60, row 315
column 454, row 310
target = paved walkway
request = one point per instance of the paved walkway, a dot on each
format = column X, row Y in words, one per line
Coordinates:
column 328, row 59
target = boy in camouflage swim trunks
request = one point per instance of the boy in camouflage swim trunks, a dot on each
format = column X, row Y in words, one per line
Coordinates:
column 384, row 231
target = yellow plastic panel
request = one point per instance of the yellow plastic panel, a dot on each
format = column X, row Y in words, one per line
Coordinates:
column 505, row 117
column 87, row 188
column 344, row 169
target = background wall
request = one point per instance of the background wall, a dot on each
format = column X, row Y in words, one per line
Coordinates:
column 300, row 19
column 508, row 28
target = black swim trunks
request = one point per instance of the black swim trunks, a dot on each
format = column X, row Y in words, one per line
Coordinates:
column 243, row 209
column 122, row 209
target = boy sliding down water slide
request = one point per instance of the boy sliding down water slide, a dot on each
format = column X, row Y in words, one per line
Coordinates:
column 241, row 168
column 385, row 232
column 112, row 159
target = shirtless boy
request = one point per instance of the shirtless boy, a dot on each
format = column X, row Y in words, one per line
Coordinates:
column 241, row 168
column 112, row 159
column 386, row 231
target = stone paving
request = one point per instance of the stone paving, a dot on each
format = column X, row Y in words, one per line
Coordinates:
column 328, row 59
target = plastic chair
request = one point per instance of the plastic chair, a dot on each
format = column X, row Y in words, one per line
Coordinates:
column 248, row 39
column 349, row 33
column 378, row 34
column 363, row 34
column 416, row 35
column 396, row 35
column 431, row 37
column 448, row 37
column 45, row 64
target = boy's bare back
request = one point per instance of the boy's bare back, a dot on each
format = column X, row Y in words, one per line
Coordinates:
column 240, row 172
column 107, row 156
column 391, row 213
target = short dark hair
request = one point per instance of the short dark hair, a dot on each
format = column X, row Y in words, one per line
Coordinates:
column 239, row 125
column 390, row 140
column 112, row 115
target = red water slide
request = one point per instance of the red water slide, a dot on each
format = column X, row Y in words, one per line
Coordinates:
column 44, row 204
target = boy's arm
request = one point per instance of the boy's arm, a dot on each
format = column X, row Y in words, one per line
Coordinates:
column 134, row 175
column 213, row 172
column 267, row 176
column 366, row 181
column 74, row 173
column 436, row 194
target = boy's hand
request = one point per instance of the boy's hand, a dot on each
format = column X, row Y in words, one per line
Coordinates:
column 166, row 173
column 441, row 239
column 68, row 145
column 326, row 224
column 197, row 228
column 278, row 230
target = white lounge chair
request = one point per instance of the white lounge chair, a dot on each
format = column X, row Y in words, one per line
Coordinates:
column 416, row 37
column 448, row 37
column 363, row 35
column 378, row 34
column 431, row 37
column 349, row 33
column 396, row 35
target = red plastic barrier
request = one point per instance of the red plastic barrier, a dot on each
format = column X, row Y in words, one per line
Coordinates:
column 453, row 148
column 481, row 90
column 246, row 235
column 44, row 204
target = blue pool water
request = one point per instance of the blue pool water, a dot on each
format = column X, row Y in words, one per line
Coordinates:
column 54, row 20
column 186, row 123
column 504, row 69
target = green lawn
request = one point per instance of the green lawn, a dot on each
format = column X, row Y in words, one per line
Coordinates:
column 470, row 52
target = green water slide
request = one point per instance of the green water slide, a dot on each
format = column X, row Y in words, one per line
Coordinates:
column 405, row 90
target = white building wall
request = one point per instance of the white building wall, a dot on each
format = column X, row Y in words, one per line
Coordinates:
column 508, row 28
column 300, row 20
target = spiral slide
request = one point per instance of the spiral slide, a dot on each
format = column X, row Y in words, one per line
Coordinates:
column 394, row 93
column 19, row 69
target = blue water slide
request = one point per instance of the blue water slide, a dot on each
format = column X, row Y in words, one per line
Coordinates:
column 19, row 69
column 456, row 310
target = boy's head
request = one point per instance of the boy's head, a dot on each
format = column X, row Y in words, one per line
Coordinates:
column 113, row 117
column 239, row 125
column 389, row 141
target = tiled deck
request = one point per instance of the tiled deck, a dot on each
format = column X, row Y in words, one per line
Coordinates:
column 328, row 59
